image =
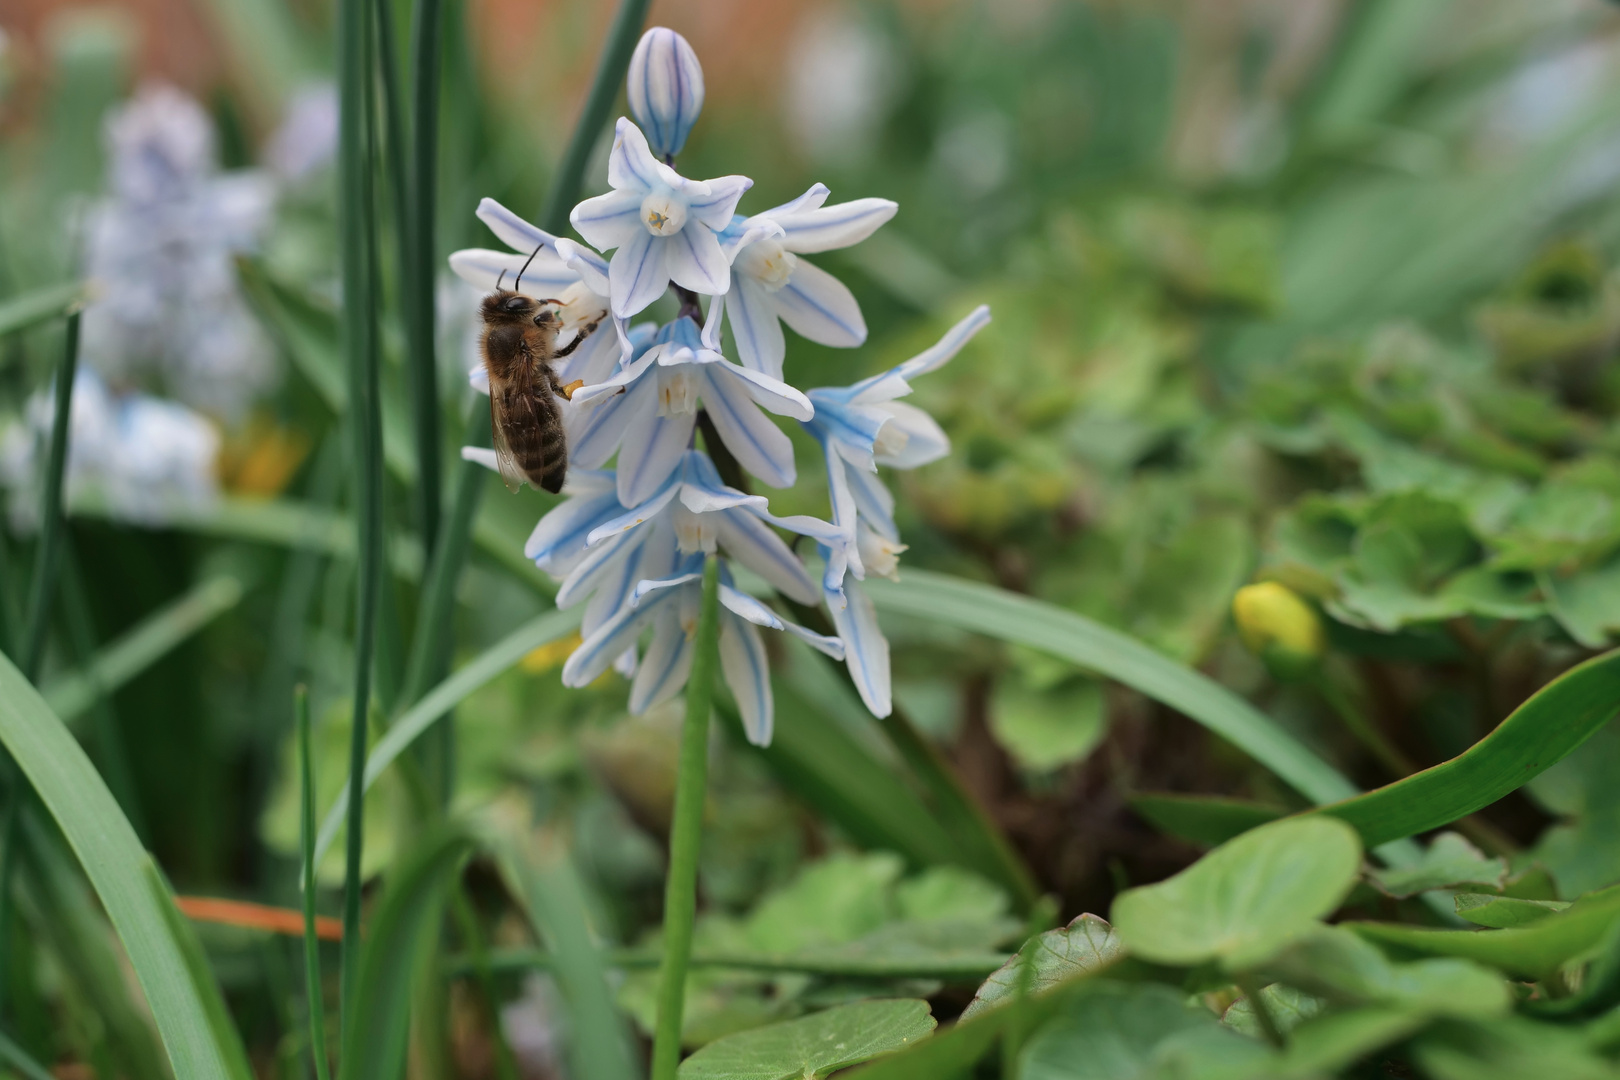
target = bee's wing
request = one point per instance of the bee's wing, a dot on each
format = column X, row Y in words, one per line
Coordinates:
column 511, row 473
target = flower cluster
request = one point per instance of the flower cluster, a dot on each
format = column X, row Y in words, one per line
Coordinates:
column 161, row 250
column 629, row 540
column 143, row 459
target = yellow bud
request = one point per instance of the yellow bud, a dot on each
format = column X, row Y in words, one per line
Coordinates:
column 550, row 655
column 1276, row 624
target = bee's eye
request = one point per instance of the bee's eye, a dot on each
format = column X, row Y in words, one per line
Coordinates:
column 516, row 303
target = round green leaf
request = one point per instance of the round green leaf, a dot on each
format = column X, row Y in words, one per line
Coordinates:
column 1245, row 899
column 812, row 1046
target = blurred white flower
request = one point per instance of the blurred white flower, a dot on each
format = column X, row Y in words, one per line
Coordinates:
column 842, row 81
column 307, row 138
column 160, row 253
column 143, row 459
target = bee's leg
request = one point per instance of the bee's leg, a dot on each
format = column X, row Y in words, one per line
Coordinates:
column 559, row 389
column 584, row 332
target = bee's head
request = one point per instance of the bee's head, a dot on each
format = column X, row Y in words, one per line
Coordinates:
column 506, row 306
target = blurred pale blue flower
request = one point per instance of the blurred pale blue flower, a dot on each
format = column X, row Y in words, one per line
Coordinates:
column 161, row 251
column 647, row 411
column 662, row 225
column 665, row 89
column 142, row 459
column 306, row 139
column 771, row 285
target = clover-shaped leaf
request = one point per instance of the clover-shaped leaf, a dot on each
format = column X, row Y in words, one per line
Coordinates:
column 1085, row 944
column 813, row 1046
column 1246, row 899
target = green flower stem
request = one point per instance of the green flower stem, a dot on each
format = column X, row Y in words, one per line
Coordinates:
column 430, row 653
column 686, row 831
column 357, row 235
column 306, row 840
column 49, row 557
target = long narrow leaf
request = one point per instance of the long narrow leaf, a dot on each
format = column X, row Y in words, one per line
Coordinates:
column 995, row 612
column 1539, row 734
column 551, row 890
column 107, row 847
column 202, row 976
column 41, row 305
column 489, row 664
column 71, row 693
column 400, row 939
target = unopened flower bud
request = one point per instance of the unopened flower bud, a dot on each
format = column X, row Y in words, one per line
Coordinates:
column 1279, row 627
column 666, row 89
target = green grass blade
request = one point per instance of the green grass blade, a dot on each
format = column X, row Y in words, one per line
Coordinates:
column 610, row 68
column 306, row 843
column 62, row 915
column 489, row 664
column 357, row 228
column 551, row 891
column 13, row 1055
column 23, row 312
column 953, row 967
column 985, row 609
column 1540, row 733
column 71, row 693
column 402, row 936
column 421, row 269
column 42, row 588
column 202, row 976
column 111, row 855
column 1535, row 951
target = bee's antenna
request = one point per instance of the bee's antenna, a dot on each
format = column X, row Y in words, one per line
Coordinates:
column 500, row 278
column 518, row 286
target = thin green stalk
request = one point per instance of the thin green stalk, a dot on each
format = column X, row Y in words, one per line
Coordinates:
column 686, row 831
column 417, row 282
column 8, row 615
column 306, row 842
column 357, row 233
column 50, row 520
column 610, row 68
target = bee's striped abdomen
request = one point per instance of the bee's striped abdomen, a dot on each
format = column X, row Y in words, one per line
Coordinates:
column 541, row 448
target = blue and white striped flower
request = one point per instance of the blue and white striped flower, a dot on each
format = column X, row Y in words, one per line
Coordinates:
column 643, row 507
column 663, row 225
column 666, row 89
column 771, row 285
column 864, row 425
column 638, row 568
column 861, row 427
column 648, row 408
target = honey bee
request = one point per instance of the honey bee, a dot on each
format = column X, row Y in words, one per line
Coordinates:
column 519, row 343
